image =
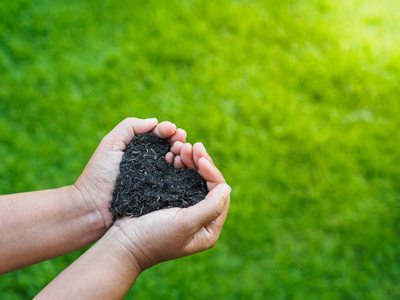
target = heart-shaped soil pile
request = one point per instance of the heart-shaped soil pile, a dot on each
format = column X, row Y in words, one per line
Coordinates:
column 148, row 183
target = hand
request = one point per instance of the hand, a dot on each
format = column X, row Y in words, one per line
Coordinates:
column 97, row 182
column 133, row 245
column 184, row 155
column 176, row 232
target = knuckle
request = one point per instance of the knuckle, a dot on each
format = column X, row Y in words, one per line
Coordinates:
column 217, row 207
column 130, row 119
column 126, row 120
column 175, row 146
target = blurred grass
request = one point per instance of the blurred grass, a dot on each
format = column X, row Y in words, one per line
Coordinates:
column 297, row 101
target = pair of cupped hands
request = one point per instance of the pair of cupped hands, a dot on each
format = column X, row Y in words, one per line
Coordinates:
column 165, row 234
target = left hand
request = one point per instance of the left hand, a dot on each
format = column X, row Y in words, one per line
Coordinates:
column 97, row 181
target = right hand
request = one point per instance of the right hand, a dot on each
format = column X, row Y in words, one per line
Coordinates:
column 176, row 232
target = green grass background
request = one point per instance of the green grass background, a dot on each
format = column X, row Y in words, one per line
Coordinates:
column 296, row 100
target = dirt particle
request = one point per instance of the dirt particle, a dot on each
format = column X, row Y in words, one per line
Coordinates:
column 148, row 183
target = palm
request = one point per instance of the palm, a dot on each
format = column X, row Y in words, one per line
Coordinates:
column 97, row 181
column 175, row 232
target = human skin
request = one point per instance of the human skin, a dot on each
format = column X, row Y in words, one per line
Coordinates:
column 41, row 225
column 132, row 245
column 44, row 224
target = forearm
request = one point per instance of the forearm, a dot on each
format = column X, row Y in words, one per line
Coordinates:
column 45, row 224
column 106, row 271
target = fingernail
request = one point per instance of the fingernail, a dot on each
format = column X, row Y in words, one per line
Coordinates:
column 206, row 160
column 154, row 120
column 225, row 190
column 202, row 146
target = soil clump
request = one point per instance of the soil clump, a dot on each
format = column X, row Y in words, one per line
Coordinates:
column 147, row 182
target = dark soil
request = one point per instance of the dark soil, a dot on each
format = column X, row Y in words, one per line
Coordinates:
column 148, row 183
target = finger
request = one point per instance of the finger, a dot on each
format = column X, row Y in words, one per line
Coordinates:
column 215, row 227
column 169, row 157
column 179, row 135
column 206, row 237
column 125, row 131
column 178, row 162
column 165, row 129
column 176, row 147
column 200, row 151
column 187, row 156
column 210, row 173
column 209, row 209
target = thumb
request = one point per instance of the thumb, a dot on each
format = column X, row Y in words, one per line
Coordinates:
column 207, row 210
column 128, row 128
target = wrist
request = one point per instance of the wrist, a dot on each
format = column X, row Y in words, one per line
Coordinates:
column 89, row 214
column 121, row 248
column 95, row 200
